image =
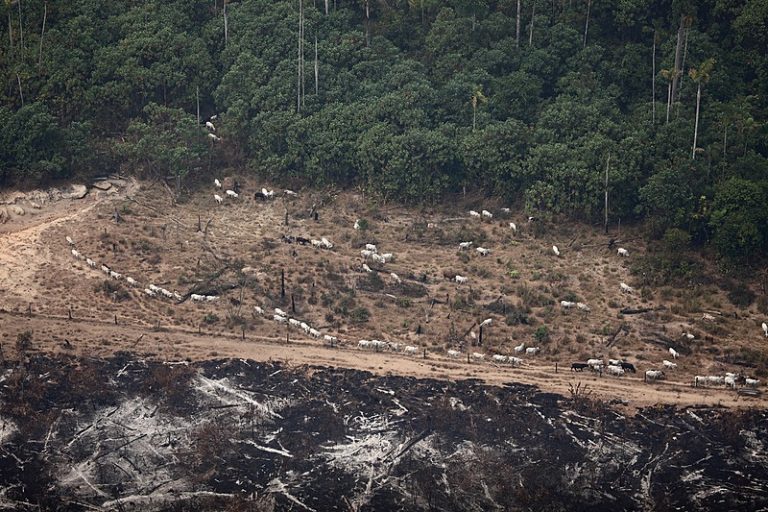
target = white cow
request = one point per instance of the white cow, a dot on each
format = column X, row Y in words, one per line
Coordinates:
column 622, row 252
column 460, row 279
column 674, row 353
column 519, row 348
column 532, row 351
column 465, row 245
column 565, row 304
column 654, row 374
column 454, row 354
column 218, row 198
column 626, row 288
column 556, row 250
column 487, row 214
column 498, row 358
column 513, row 227
column 614, row 370
column 669, row 364
column 233, row 194
column 483, row 251
column 410, row 350
column 473, row 213
column 765, row 329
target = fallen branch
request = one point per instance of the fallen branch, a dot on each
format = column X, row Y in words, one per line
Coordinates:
column 637, row 311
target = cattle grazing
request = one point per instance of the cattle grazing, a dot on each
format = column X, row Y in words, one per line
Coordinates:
column 577, row 367
column 628, row 367
column 674, row 353
column 622, row 252
column 653, row 375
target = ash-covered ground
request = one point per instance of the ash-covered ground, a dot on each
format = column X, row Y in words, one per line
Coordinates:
column 126, row 434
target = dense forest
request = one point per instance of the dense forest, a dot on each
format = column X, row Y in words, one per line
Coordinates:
column 535, row 101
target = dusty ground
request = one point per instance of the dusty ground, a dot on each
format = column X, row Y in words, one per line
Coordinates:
column 234, row 251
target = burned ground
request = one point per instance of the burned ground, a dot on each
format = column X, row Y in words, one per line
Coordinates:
column 125, row 433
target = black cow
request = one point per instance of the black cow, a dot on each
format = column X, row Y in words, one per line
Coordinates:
column 301, row 240
column 577, row 367
column 628, row 367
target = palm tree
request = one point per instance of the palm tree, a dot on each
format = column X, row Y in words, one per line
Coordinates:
column 700, row 76
column 477, row 97
column 668, row 75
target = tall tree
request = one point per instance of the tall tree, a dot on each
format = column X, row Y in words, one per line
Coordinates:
column 586, row 23
column 476, row 98
column 678, row 55
column 668, row 75
column 700, row 76
column 517, row 26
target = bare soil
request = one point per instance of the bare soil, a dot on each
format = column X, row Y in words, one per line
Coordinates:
column 235, row 251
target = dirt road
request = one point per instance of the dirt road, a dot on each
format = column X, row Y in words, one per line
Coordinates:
column 90, row 338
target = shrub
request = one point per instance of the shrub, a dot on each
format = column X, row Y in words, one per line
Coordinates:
column 541, row 335
column 360, row 315
column 210, row 318
column 741, row 296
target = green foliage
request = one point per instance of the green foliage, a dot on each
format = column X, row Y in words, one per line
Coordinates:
column 359, row 315
column 740, row 218
column 541, row 335
column 415, row 104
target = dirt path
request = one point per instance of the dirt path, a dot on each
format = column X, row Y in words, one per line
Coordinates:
column 100, row 339
column 24, row 254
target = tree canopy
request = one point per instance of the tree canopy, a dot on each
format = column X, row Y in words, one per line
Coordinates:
column 409, row 100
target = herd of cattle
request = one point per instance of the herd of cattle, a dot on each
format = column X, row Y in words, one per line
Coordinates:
column 618, row 368
column 613, row 367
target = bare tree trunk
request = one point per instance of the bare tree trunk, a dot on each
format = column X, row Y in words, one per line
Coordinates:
column 326, row 7
column 226, row 24
column 317, row 70
column 197, row 101
column 10, row 32
column 653, row 82
column 678, row 57
column 533, row 16
column 367, row 24
column 669, row 99
column 42, row 33
column 298, row 65
column 607, row 165
column 517, row 26
column 21, row 94
column 696, row 125
column 586, row 24
column 302, row 55
column 725, row 140
column 682, row 66
column 21, row 34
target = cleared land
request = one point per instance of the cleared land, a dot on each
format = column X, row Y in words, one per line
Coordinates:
column 235, row 251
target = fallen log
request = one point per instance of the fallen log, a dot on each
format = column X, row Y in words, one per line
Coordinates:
column 637, row 311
